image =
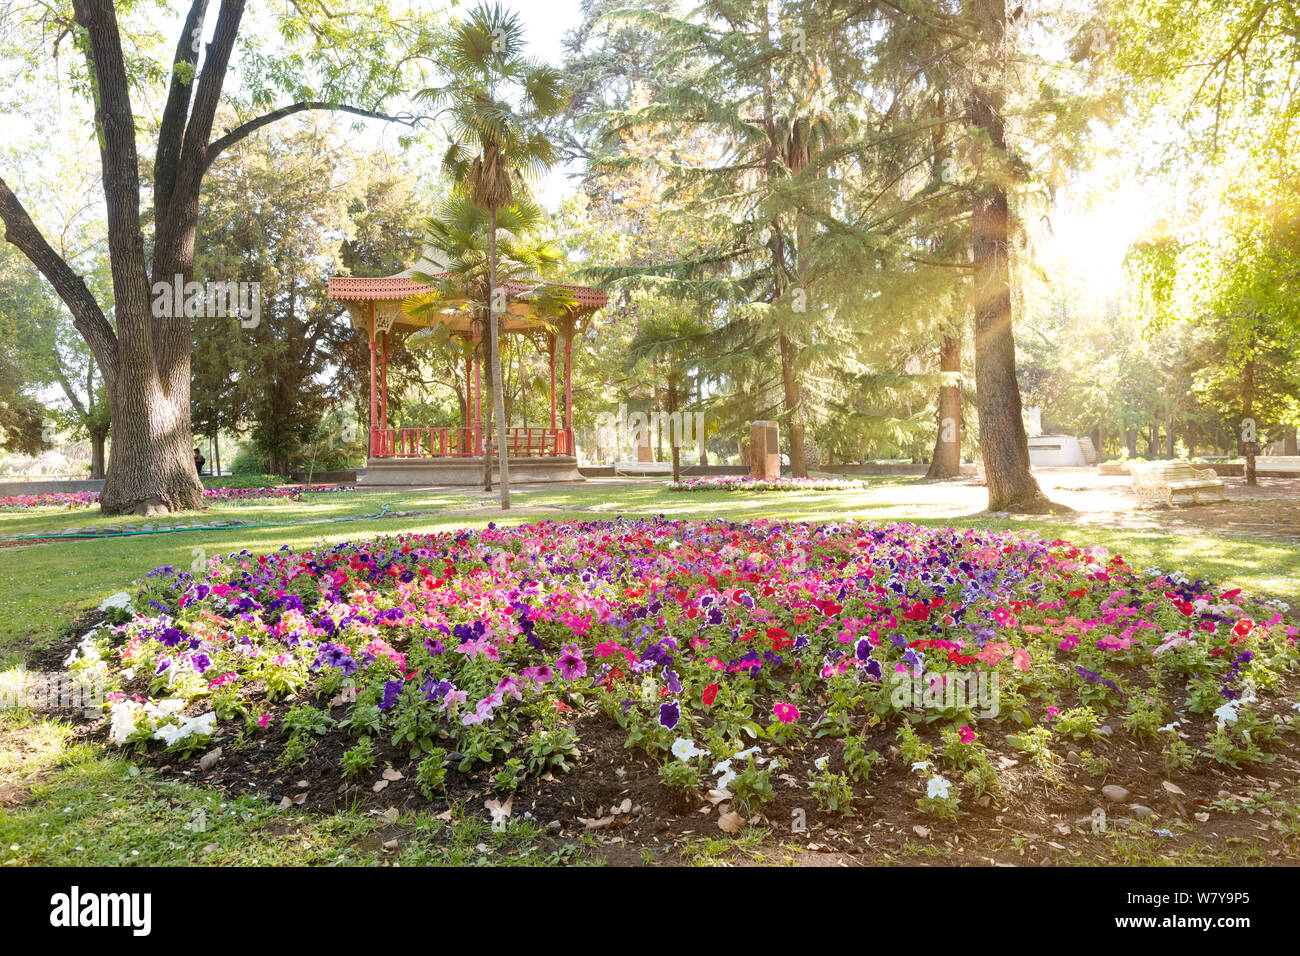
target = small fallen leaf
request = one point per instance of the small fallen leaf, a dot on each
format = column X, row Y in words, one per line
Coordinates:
column 921, row 831
column 1173, row 788
column 390, row 815
column 731, row 822
column 1202, row 817
column 391, row 774
column 718, row 796
column 379, row 785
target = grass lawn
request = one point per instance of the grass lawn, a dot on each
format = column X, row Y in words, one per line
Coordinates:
column 66, row 800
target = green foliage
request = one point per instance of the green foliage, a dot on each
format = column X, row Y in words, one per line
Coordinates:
column 834, row 792
column 359, row 760
column 431, row 775
column 752, row 787
column 555, row 748
column 508, row 778
column 680, row 775
column 859, row 761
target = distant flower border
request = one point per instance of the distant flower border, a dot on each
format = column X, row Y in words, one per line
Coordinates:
column 746, row 483
column 85, row 499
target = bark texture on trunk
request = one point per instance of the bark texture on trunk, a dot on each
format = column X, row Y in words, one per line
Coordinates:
column 1248, row 412
column 794, row 405
column 946, row 460
column 494, row 345
column 1004, row 445
column 152, row 471
column 98, row 440
column 674, row 440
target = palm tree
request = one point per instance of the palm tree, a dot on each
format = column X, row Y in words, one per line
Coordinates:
column 497, row 100
column 459, row 236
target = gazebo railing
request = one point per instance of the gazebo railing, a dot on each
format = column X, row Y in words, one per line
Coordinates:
column 462, row 442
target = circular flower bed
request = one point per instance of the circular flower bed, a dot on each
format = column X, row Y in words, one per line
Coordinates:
column 84, row 499
column 745, row 483
column 717, row 649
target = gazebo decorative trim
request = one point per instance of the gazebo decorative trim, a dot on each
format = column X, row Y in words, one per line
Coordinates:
column 375, row 306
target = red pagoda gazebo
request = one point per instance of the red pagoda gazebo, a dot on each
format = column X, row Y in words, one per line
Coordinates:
column 445, row 455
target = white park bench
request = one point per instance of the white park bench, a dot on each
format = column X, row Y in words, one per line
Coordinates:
column 1161, row 480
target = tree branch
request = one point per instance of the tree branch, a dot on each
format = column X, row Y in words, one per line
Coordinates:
column 217, row 147
column 174, row 242
column 86, row 314
column 178, row 101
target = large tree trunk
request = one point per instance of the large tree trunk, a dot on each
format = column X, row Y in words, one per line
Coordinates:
column 1003, row 442
column 946, row 460
column 703, row 437
column 485, row 414
column 494, row 344
column 1248, row 412
column 674, row 440
column 98, row 439
column 152, row 471
column 794, row 406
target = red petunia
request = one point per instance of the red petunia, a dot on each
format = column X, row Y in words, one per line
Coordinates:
column 779, row 637
column 710, row 695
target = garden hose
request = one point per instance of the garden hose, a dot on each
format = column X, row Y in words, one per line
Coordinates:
column 384, row 510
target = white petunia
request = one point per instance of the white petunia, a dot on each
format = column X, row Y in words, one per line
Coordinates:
column 921, row 765
column 202, row 725
column 120, row 600
column 123, row 716
column 820, row 762
column 1227, row 714
column 938, row 788
column 1171, row 726
column 684, row 749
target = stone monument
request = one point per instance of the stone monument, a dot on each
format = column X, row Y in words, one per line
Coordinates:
column 764, row 450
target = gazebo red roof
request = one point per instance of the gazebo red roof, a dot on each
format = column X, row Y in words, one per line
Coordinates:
column 358, row 289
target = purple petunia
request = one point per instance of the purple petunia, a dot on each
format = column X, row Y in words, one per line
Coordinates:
column 570, row 662
column 669, row 714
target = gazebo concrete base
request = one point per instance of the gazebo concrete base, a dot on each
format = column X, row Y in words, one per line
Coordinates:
column 465, row 471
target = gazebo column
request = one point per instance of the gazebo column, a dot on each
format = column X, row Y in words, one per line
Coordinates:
column 469, row 384
column 570, row 446
column 383, row 378
column 551, row 344
column 374, row 411
column 478, row 400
